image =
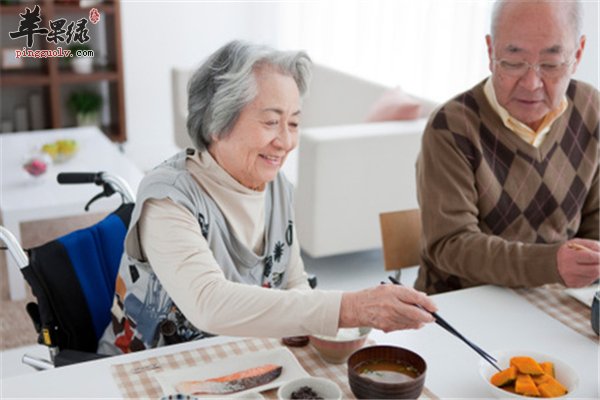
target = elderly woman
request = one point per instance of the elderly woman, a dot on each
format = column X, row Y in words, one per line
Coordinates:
column 212, row 235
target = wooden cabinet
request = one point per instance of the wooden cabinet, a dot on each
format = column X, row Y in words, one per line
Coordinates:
column 52, row 78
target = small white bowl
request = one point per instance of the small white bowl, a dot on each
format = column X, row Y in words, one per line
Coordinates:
column 325, row 388
column 565, row 374
column 337, row 349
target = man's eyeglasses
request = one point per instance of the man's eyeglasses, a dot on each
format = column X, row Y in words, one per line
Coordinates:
column 545, row 69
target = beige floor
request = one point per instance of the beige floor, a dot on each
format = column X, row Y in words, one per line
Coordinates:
column 16, row 329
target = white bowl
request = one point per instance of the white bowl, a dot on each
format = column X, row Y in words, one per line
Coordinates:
column 565, row 374
column 337, row 349
column 325, row 388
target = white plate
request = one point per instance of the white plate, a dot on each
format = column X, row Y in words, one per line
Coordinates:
column 280, row 356
column 584, row 295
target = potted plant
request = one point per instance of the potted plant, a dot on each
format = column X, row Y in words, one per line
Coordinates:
column 81, row 65
column 86, row 105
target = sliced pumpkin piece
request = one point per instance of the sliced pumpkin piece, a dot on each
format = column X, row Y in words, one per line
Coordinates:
column 509, row 388
column 504, row 377
column 539, row 379
column 525, row 385
column 548, row 368
column 526, row 365
column 551, row 388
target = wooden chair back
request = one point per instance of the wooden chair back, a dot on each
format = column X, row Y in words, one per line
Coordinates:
column 400, row 236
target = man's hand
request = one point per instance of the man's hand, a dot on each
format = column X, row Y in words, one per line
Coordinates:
column 578, row 262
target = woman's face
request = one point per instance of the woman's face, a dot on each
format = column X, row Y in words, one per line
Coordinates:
column 265, row 132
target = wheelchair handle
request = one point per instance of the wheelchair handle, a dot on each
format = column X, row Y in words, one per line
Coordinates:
column 38, row 363
column 116, row 183
column 119, row 185
column 14, row 248
column 79, row 177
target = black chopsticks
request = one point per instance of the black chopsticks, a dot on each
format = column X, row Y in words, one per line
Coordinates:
column 442, row 322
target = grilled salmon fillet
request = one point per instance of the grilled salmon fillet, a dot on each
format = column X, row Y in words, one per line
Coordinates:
column 232, row 383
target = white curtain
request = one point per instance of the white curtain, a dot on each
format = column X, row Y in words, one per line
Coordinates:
column 431, row 48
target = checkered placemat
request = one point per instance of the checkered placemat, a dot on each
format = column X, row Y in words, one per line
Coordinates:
column 553, row 300
column 135, row 379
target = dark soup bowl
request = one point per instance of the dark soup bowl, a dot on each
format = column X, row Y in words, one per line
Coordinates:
column 386, row 372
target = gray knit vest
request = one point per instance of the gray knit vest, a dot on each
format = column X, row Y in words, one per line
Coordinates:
column 143, row 314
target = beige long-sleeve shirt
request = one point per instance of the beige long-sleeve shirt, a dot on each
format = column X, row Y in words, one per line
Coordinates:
column 183, row 262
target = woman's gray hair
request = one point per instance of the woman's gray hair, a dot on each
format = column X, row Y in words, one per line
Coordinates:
column 225, row 83
column 575, row 16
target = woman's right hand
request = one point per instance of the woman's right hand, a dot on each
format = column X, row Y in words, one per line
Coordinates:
column 386, row 307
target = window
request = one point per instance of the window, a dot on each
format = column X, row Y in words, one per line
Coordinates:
column 432, row 48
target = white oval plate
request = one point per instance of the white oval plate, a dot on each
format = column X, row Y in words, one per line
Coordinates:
column 279, row 356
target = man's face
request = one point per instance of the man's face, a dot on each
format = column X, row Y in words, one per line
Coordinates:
column 537, row 33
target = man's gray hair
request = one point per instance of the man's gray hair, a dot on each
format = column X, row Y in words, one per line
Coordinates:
column 224, row 84
column 575, row 16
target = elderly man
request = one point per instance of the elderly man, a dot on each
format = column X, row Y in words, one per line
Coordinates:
column 508, row 172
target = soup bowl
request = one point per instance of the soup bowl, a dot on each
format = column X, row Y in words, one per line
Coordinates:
column 402, row 374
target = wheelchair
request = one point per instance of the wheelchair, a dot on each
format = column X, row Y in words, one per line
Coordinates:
column 73, row 277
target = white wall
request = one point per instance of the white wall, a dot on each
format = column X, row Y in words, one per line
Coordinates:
column 160, row 35
column 589, row 68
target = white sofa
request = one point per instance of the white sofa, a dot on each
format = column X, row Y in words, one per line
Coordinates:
column 346, row 171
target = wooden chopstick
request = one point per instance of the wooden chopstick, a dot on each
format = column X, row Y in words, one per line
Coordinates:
column 442, row 322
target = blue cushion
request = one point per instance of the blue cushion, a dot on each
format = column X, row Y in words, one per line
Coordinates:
column 95, row 253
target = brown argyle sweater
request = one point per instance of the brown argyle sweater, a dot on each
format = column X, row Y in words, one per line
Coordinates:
column 495, row 209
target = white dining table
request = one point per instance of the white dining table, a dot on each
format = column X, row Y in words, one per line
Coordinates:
column 26, row 198
column 494, row 318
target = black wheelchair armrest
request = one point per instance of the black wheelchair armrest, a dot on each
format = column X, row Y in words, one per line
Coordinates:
column 69, row 357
